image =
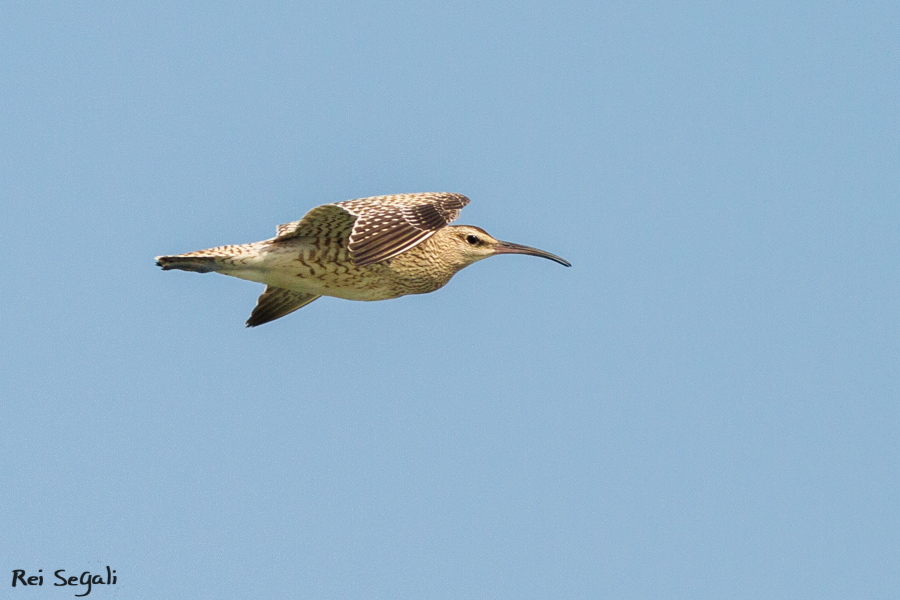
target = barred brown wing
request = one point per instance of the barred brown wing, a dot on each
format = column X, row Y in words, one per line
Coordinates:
column 390, row 225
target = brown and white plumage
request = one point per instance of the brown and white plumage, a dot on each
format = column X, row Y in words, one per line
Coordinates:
column 381, row 227
column 366, row 249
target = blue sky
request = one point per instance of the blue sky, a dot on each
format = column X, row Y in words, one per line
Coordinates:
column 704, row 406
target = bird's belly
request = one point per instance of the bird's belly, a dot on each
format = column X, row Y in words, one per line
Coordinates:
column 302, row 272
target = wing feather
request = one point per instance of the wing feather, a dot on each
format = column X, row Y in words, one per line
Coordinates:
column 328, row 221
column 275, row 303
column 380, row 227
column 390, row 225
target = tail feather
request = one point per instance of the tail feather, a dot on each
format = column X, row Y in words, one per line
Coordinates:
column 196, row 264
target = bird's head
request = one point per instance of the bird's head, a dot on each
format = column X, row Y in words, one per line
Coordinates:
column 470, row 244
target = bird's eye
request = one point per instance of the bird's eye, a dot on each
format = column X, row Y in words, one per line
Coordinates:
column 472, row 239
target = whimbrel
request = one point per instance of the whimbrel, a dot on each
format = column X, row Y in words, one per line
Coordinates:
column 367, row 249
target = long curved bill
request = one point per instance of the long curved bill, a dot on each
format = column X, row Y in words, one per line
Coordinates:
column 510, row 248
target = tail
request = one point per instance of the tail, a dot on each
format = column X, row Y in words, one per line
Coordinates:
column 197, row 264
column 206, row 261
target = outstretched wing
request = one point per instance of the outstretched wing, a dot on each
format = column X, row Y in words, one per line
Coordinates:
column 380, row 227
column 389, row 225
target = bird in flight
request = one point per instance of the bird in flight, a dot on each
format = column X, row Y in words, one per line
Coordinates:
column 374, row 248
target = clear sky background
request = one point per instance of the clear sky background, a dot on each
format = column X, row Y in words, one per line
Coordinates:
column 704, row 406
